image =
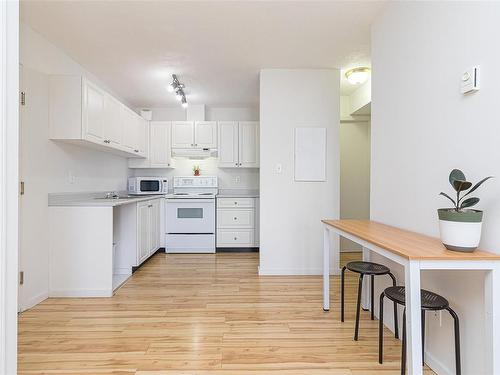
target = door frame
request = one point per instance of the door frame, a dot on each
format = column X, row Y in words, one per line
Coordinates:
column 9, row 179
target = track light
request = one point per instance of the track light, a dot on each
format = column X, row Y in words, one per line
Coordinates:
column 178, row 88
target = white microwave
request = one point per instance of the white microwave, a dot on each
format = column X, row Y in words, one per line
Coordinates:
column 147, row 185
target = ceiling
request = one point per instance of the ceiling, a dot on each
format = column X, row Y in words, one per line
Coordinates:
column 216, row 48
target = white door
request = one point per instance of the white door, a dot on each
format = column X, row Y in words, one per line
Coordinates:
column 143, row 231
column 33, row 209
column 112, row 122
column 248, row 144
column 93, row 113
column 228, row 144
column 182, row 134
column 155, row 225
column 160, row 153
column 205, row 134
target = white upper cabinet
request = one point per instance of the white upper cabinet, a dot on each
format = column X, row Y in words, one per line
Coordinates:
column 205, row 134
column 159, row 147
column 182, row 134
column 113, row 126
column 199, row 134
column 81, row 112
column 93, row 116
column 228, row 144
column 238, row 144
column 248, row 134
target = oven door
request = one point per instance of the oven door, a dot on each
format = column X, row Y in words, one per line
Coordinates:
column 190, row 216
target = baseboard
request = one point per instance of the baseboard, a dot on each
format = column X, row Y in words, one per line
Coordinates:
column 35, row 300
column 436, row 365
column 70, row 293
column 294, row 272
column 237, row 250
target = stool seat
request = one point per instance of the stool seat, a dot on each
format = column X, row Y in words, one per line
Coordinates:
column 428, row 300
column 368, row 268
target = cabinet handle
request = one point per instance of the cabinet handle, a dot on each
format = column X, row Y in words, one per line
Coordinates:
column 235, row 203
column 236, row 164
column 235, row 238
column 168, row 164
column 150, row 205
column 240, row 164
column 196, row 144
column 235, row 218
column 136, row 150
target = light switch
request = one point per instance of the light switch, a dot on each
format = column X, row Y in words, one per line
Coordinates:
column 469, row 82
column 279, row 168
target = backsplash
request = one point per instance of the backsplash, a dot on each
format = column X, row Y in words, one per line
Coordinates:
column 229, row 178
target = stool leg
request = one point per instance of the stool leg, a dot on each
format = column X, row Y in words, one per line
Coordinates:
column 360, row 286
column 396, row 325
column 372, row 291
column 381, row 329
column 342, row 294
column 423, row 337
column 458, row 366
column 403, row 350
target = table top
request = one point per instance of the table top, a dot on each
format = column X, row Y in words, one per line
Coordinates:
column 407, row 244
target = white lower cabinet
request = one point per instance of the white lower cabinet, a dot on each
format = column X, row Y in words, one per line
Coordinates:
column 236, row 222
column 148, row 229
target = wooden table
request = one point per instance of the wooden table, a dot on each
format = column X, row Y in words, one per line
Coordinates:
column 416, row 252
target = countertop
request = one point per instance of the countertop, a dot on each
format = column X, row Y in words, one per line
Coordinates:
column 238, row 193
column 92, row 199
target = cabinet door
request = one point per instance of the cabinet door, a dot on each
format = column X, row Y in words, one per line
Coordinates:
column 113, row 124
column 143, row 231
column 160, row 153
column 248, row 135
column 182, row 134
column 154, row 210
column 228, row 144
column 128, row 128
column 93, row 113
column 142, row 134
column 205, row 134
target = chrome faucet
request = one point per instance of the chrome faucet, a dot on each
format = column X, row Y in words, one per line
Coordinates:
column 112, row 195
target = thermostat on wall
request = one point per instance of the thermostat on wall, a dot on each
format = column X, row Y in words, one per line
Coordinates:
column 470, row 80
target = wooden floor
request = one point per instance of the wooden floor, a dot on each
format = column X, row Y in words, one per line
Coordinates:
column 204, row 315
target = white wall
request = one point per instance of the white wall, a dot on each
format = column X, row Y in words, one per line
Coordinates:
column 422, row 127
column 291, row 237
column 46, row 165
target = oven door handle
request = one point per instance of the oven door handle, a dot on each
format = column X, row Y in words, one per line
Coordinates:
column 190, row 200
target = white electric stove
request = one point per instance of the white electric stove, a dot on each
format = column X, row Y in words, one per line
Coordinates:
column 190, row 215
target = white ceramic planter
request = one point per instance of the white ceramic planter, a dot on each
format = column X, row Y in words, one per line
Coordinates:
column 460, row 230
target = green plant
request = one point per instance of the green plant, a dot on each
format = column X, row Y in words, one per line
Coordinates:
column 196, row 168
column 461, row 185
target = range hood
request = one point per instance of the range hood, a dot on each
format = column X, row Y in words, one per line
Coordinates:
column 194, row 153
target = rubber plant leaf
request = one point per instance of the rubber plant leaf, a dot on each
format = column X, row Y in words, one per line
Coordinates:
column 461, row 185
column 456, row 174
column 469, row 202
column 450, row 198
column 478, row 184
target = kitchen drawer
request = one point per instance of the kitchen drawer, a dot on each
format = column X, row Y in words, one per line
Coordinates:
column 235, row 218
column 235, row 238
column 235, row 202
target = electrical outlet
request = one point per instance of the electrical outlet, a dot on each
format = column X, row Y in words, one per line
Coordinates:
column 71, row 177
column 237, row 179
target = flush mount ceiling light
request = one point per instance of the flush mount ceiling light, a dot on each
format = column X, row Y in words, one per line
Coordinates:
column 357, row 76
column 178, row 88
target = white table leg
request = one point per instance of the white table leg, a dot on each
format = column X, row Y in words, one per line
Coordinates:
column 326, row 268
column 365, row 297
column 413, row 318
column 492, row 321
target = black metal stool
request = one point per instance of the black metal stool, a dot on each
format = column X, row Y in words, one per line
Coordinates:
column 429, row 301
column 371, row 269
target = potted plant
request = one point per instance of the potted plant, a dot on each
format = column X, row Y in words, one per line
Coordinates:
column 196, row 170
column 460, row 226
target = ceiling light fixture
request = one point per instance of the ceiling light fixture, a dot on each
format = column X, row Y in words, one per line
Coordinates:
column 357, row 76
column 178, row 88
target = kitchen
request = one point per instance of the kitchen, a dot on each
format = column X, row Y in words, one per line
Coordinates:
column 187, row 171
